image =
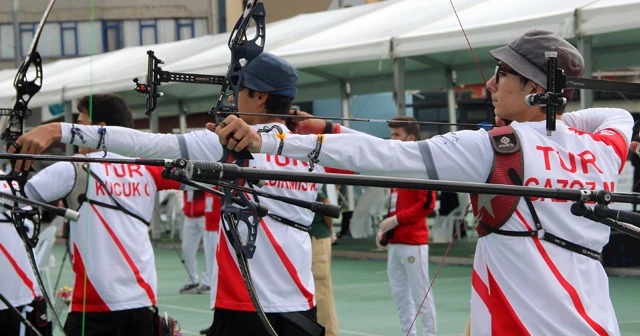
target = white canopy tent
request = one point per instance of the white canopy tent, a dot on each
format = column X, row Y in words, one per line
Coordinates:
column 387, row 46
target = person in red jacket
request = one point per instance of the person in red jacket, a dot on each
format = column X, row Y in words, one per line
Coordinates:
column 192, row 234
column 212, row 204
column 405, row 229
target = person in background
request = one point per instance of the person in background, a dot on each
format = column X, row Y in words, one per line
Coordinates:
column 322, row 236
column 407, row 233
column 192, row 234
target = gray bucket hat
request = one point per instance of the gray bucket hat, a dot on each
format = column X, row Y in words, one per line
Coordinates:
column 525, row 55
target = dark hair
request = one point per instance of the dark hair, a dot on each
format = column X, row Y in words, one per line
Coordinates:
column 108, row 108
column 408, row 124
column 275, row 104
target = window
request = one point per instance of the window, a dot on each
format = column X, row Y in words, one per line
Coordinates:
column 27, row 30
column 6, row 42
column 185, row 29
column 69, row 38
column 111, row 35
column 148, row 32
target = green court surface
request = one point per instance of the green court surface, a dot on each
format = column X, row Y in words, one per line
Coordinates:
column 363, row 299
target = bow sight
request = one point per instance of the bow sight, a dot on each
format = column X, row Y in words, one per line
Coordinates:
column 156, row 76
column 243, row 50
column 557, row 82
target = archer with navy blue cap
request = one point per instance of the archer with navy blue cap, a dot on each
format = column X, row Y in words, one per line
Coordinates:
column 271, row 74
column 268, row 87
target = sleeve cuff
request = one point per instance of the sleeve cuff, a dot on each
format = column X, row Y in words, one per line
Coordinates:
column 269, row 144
column 65, row 130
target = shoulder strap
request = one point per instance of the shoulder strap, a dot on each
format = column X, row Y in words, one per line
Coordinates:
column 504, row 140
column 117, row 205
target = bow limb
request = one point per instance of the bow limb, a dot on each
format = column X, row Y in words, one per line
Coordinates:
column 12, row 125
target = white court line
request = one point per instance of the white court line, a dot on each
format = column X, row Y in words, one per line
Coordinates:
column 351, row 332
column 210, row 312
column 370, row 284
column 630, row 322
column 182, row 296
column 373, row 284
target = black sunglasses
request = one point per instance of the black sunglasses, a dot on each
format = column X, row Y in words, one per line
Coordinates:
column 502, row 69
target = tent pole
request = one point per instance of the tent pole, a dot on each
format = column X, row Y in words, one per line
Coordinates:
column 451, row 99
column 183, row 116
column 584, row 45
column 68, row 118
column 398, row 86
column 345, row 98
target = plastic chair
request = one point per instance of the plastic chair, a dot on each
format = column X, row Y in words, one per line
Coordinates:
column 42, row 252
column 370, row 210
column 442, row 229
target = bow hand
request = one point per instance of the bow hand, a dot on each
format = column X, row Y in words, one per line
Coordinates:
column 237, row 135
column 34, row 142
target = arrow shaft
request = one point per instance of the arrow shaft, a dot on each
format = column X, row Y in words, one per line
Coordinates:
column 269, row 115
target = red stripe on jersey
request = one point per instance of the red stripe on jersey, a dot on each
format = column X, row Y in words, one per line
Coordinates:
column 504, row 320
column 231, row 292
column 23, row 276
column 480, row 288
column 288, row 265
column 573, row 294
column 84, row 300
column 136, row 272
column 613, row 138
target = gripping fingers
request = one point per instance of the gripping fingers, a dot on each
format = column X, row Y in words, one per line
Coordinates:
column 237, row 137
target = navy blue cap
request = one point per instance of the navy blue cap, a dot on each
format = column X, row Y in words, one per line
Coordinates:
column 271, row 74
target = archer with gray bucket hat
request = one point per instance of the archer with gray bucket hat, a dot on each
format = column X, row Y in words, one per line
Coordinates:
column 526, row 56
column 524, row 282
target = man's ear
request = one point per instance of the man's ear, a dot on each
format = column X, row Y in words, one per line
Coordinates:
column 411, row 138
column 537, row 88
column 262, row 97
column 102, row 123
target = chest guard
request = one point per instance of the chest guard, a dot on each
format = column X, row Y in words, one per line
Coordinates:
column 492, row 211
column 78, row 193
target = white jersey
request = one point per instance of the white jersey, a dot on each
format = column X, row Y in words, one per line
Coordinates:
column 17, row 281
column 520, row 285
column 281, row 265
column 112, row 248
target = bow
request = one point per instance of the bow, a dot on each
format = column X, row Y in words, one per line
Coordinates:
column 243, row 51
column 13, row 124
